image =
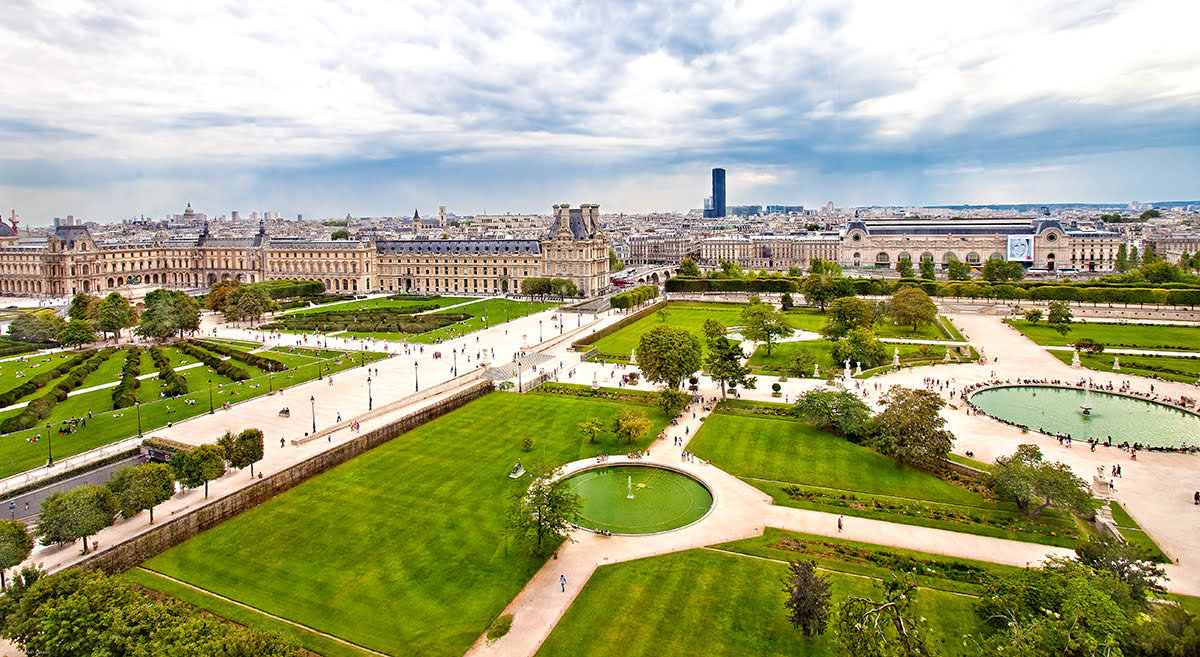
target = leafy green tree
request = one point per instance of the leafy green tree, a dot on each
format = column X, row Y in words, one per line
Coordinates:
column 168, row 312
column 614, row 263
column 590, row 428
column 820, row 289
column 724, row 364
column 1036, row 485
column 672, row 401
column 688, row 267
column 546, row 511
column 342, row 234
column 81, row 303
column 198, row 466
column 1158, row 272
column 1122, row 264
column 15, row 546
column 668, row 355
column 808, row 597
column 77, row 332
column 539, row 287
column 890, row 627
column 630, row 424
column 712, row 329
column 1128, row 562
column 243, row 450
column 1111, row 218
column 846, row 314
column 764, row 324
column 248, row 302
column 562, row 288
column 801, row 363
column 904, row 267
column 827, row 267
column 1135, row 259
column 1150, row 214
column 999, row 271
column 912, row 306
column 663, row 315
column 141, row 488
column 40, row 327
column 786, row 301
column 219, row 293
column 115, row 314
column 1060, row 317
column 837, row 411
column 859, row 346
column 957, row 270
column 731, row 270
column 76, row 513
column 1033, row 315
column 927, row 271
column 909, row 428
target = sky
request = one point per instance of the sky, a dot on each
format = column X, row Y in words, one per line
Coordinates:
column 119, row 108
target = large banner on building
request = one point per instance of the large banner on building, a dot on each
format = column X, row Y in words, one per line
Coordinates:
column 1020, row 248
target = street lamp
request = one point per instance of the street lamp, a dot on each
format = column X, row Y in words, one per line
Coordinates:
column 313, row 401
column 455, row 352
column 362, row 353
column 49, row 448
column 370, row 401
column 539, row 330
column 416, row 383
column 137, row 403
column 210, row 404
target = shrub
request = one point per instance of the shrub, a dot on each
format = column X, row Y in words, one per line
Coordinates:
column 527, row 444
column 222, row 367
column 253, row 360
column 125, row 394
column 176, row 384
column 775, row 387
column 499, row 627
column 40, row 408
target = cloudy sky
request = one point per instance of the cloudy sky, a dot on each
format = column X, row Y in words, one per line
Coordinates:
column 116, row 108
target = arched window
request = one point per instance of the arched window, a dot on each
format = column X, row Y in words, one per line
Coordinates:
column 881, row 258
column 927, row 257
column 972, row 258
column 948, row 257
column 904, row 255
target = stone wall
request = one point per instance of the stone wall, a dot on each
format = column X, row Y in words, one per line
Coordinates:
column 135, row 550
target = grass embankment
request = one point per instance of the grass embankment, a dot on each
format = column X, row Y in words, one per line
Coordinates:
column 1134, row 534
column 399, row 304
column 1182, row 369
column 403, row 549
column 1116, row 335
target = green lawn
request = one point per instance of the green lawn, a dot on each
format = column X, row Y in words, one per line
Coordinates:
column 704, row 602
column 29, row 366
column 1183, row 369
column 1132, row 336
column 483, row 314
column 822, row 351
column 807, row 468
column 382, row 302
column 403, row 549
column 1135, row 535
column 105, row 426
column 687, row 315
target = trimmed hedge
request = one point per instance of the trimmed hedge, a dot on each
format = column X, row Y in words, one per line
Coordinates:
column 222, row 367
column 40, row 408
column 42, row 378
column 368, row 320
column 125, row 394
column 285, row 289
column 254, row 360
column 582, row 343
column 634, row 297
column 176, row 384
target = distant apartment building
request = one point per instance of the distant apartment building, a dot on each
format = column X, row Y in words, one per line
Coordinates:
column 657, row 248
column 774, row 252
column 1173, row 247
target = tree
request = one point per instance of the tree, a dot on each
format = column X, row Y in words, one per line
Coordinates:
column 786, row 301
column 562, row 288
column 1033, row 315
column 342, row 234
column 37, row 327
column 15, row 546
column 927, row 270
column 764, row 323
column 218, row 295
column 672, row 401
column 115, row 314
column 1135, row 260
column 630, row 424
column 913, row 306
column 999, row 271
column 614, row 263
column 536, row 287
column 668, row 355
column 1035, row 485
column 846, row 314
column 546, row 511
column 168, row 312
column 198, row 466
column 712, row 329
column 859, row 346
column 688, row 267
column 820, row 289
column 77, row 332
column 724, row 364
column 76, row 513
column 909, row 428
column 801, row 363
column 731, row 270
column 1128, row 562
column 142, row 487
column 808, row 597
column 590, row 427
column 829, row 267
column 1122, row 264
column 1060, row 316
column 957, row 270
column 904, row 267
column 249, row 302
column 81, row 303
column 663, row 315
column 1150, row 214
column 242, row 450
column 838, row 411
column 1089, row 346
column 885, row 628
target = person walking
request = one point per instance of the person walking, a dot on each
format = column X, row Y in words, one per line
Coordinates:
column 839, row 524
column 562, row 580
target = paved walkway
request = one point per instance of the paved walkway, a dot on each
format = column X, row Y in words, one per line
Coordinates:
column 1132, row 352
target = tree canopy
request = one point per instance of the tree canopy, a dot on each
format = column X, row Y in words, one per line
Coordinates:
column 688, row 267
column 912, row 306
column 996, row 270
column 820, row 289
column 37, row 327
column 76, row 513
column 839, row 411
column 846, row 314
column 860, row 345
column 15, row 546
column 763, row 323
column 1035, row 484
column 668, row 355
column 724, row 364
column 546, row 511
column 808, row 597
column 630, row 424
column 142, row 487
column 909, row 428
column 77, row 332
column 198, row 466
column 1060, row 316
column 115, row 314
column 169, row 312
column 244, row 449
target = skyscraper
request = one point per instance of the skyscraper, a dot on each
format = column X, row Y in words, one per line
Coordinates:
column 718, row 193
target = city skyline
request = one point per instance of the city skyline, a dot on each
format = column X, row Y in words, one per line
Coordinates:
column 137, row 108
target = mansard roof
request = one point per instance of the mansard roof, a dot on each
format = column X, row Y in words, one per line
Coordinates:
column 458, row 247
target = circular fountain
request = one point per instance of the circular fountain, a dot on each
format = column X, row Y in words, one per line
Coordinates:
column 638, row 499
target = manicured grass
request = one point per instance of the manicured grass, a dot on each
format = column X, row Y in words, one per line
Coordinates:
column 105, row 426
column 31, row 366
column 1134, row 534
column 402, row 549
column 1134, row 336
column 382, row 302
column 236, row 344
column 1183, row 369
column 489, row 312
column 310, row 640
column 686, row 315
column 978, row 465
column 822, row 353
column 704, row 602
column 955, row 334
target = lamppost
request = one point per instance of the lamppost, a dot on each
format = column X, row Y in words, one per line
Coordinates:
column 370, row 401
column 539, row 330
column 312, row 400
column 210, row 403
column 416, row 383
column 137, row 403
column 49, row 448
column 362, row 353
column 455, row 352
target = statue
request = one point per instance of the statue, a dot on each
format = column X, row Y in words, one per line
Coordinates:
column 1117, row 363
column 857, row 369
column 816, row 371
column 896, row 357
column 1075, row 359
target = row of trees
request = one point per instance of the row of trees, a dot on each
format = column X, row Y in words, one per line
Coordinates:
column 634, row 297
column 549, row 287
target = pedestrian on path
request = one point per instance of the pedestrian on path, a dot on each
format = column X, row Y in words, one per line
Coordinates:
column 562, row 580
column 839, row 524
column 281, row 443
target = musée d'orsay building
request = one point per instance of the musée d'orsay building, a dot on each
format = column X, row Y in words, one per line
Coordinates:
column 71, row 260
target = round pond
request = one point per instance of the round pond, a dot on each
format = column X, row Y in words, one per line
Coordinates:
column 1059, row 410
column 638, row 499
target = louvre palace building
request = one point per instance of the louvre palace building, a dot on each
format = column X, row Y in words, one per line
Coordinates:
column 71, row 260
